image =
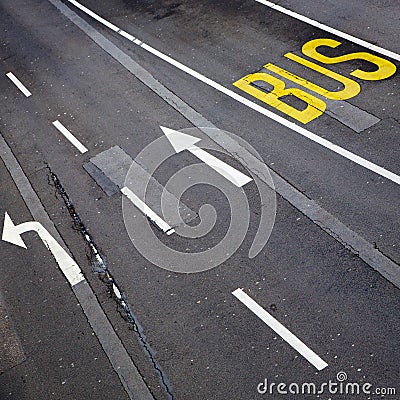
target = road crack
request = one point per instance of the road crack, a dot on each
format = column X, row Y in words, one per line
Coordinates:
column 100, row 267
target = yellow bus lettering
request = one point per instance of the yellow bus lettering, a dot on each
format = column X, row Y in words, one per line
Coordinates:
column 351, row 88
column 384, row 70
column 315, row 107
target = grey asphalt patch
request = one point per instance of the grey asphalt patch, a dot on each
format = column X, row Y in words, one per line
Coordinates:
column 308, row 207
column 114, row 164
column 356, row 119
column 103, row 181
column 350, row 115
column 110, row 342
column 11, row 353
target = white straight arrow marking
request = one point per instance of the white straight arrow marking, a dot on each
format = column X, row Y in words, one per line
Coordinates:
column 256, row 107
column 283, row 332
column 182, row 141
column 12, row 234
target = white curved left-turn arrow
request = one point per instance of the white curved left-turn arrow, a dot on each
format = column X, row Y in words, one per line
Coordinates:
column 12, row 234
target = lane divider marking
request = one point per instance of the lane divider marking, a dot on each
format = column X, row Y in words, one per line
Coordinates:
column 18, row 84
column 69, row 136
column 278, row 328
column 277, row 118
column 334, row 31
column 147, row 211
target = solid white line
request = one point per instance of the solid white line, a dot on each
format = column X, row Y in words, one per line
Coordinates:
column 283, row 332
column 95, row 16
column 334, row 31
column 18, row 84
column 147, row 211
column 68, row 135
column 127, row 35
column 277, row 118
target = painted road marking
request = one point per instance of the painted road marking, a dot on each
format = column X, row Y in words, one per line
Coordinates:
column 19, row 84
column 119, row 358
column 315, row 105
column 182, row 141
column 12, row 234
column 68, row 135
column 147, row 211
column 283, row 332
column 355, row 118
column 334, row 31
column 277, row 118
column 326, row 221
column 383, row 68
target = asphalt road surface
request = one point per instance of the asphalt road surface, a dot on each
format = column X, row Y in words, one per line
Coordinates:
column 210, row 196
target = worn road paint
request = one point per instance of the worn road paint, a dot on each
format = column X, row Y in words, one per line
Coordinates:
column 18, row 84
column 278, row 328
column 277, row 118
column 147, row 211
column 334, row 31
column 12, row 234
column 182, row 141
column 69, row 136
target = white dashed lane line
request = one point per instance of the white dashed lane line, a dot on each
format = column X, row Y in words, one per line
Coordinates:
column 18, row 84
column 278, row 328
column 277, row 118
column 147, row 211
column 334, row 31
column 69, row 136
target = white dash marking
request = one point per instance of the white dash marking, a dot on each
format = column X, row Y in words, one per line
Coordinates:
column 19, row 84
column 116, row 291
column 283, row 332
column 147, row 211
column 68, row 135
column 334, row 31
column 260, row 109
